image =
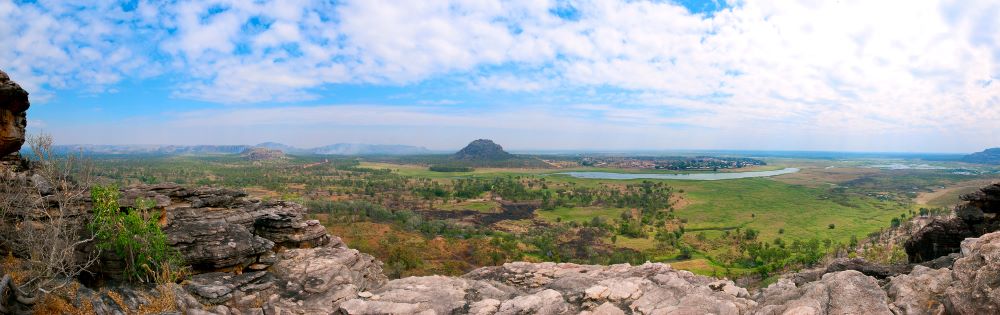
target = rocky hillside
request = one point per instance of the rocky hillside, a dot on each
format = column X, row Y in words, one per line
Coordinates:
column 482, row 150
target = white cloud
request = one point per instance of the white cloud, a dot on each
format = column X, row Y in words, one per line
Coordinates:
column 64, row 44
column 871, row 67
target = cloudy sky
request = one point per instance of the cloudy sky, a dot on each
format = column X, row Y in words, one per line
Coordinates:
column 609, row 74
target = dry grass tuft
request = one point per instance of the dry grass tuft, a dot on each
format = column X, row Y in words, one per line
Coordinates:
column 164, row 302
column 52, row 304
column 58, row 302
column 117, row 298
column 15, row 268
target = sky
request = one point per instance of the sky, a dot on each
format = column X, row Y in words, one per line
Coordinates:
column 886, row 76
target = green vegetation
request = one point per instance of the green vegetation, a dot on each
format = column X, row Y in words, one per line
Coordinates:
column 778, row 209
column 133, row 236
column 580, row 214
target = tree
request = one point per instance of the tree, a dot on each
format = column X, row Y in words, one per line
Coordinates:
column 134, row 236
column 47, row 232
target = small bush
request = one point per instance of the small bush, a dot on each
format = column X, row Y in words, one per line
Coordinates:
column 134, row 236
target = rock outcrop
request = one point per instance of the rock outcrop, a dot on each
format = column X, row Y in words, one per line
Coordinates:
column 979, row 214
column 217, row 228
column 13, row 120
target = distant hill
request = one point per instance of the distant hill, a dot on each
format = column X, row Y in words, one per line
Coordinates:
column 988, row 156
column 483, row 153
column 482, row 150
column 333, row 149
column 279, row 146
column 262, row 154
column 150, row 149
column 369, row 149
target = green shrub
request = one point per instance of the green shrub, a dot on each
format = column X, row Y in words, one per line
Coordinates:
column 134, row 236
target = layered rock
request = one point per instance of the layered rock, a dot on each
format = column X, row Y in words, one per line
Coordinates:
column 13, row 120
column 217, row 228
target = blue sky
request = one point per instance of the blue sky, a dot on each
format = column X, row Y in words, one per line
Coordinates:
column 604, row 74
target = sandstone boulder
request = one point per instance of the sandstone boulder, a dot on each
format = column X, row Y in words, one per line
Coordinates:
column 844, row 292
column 919, row 292
column 976, row 285
column 318, row 280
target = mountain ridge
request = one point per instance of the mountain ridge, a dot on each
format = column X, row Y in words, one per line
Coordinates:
column 988, row 156
column 332, row 149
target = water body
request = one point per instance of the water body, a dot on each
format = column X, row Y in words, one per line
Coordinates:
column 694, row 176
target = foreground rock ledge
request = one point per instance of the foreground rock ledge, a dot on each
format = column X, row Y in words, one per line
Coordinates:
column 550, row 288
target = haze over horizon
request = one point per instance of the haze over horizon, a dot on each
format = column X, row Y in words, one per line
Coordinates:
column 874, row 76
